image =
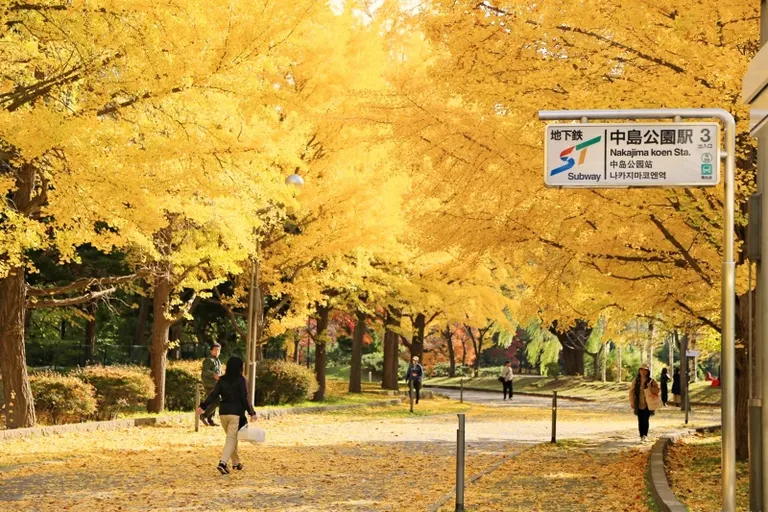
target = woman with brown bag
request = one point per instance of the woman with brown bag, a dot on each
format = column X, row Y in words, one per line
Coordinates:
column 644, row 398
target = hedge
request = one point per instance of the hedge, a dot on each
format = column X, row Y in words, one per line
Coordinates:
column 117, row 387
column 282, row 382
column 62, row 398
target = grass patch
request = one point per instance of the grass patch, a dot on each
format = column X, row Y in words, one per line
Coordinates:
column 570, row 386
column 693, row 470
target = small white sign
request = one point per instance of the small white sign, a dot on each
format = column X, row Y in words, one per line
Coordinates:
column 692, row 353
column 605, row 155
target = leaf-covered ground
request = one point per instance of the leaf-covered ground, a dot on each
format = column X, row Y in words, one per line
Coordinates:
column 372, row 459
column 693, row 470
column 568, row 477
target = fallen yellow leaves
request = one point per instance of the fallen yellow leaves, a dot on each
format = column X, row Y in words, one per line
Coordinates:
column 567, row 477
column 693, row 470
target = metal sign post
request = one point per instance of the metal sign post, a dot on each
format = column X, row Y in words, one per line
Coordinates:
column 728, row 298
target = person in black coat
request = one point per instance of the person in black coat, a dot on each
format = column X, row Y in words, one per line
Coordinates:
column 664, row 386
column 233, row 391
column 676, row 387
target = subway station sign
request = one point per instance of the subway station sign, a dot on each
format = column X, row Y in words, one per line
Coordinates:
column 632, row 155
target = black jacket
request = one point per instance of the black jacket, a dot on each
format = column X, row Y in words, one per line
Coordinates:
column 676, row 384
column 234, row 397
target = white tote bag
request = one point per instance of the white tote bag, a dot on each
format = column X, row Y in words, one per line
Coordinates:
column 652, row 401
column 251, row 434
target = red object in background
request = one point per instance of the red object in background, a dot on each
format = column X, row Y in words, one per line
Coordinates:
column 715, row 382
column 709, row 377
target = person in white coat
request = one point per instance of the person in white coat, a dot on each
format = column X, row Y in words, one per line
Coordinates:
column 506, row 379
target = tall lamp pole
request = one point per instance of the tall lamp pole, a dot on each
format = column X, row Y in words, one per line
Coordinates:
column 255, row 309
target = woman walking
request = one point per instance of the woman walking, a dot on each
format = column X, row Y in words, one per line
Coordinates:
column 233, row 391
column 676, row 387
column 506, row 379
column 664, row 387
column 644, row 398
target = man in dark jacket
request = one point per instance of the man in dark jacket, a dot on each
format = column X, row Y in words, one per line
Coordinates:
column 415, row 374
column 210, row 375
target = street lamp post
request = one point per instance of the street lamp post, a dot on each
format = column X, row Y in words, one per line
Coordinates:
column 255, row 309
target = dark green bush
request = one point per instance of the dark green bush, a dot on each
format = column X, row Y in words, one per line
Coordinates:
column 281, row 382
column 553, row 369
column 180, row 383
column 63, row 399
column 117, row 387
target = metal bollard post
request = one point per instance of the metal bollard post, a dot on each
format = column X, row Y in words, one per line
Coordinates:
column 410, row 392
column 197, row 404
column 461, row 392
column 554, row 417
column 460, row 464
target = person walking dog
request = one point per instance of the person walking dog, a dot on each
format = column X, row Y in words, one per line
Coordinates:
column 415, row 373
column 506, row 379
column 209, row 376
column 644, row 399
column 232, row 389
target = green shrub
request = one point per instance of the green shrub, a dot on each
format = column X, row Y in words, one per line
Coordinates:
column 553, row 369
column 443, row 369
column 117, row 387
column 64, row 399
column 491, row 371
column 180, row 383
column 281, row 382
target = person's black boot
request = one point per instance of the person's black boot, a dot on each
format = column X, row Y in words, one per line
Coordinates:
column 222, row 467
column 238, row 466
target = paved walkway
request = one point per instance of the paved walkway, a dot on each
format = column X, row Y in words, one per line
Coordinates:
column 381, row 460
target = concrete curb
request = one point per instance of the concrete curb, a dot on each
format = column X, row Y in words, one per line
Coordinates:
column 95, row 426
column 665, row 499
column 92, row 426
column 522, row 393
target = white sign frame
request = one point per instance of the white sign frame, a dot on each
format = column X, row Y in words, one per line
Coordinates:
column 698, row 159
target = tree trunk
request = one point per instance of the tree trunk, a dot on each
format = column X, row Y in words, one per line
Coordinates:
column 451, row 352
column 671, row 349
column 650, row 345
column 323, row 315
column 417, row 340
column 573, row 357
column 141, row 322
column 159, row 348
column 17, row 394
column 90, row 332
column 596, row 363
column 604, row 377
column 174, row 338
column 296, row 347
column 618, row 362
column 391, row 352
column 356, row 368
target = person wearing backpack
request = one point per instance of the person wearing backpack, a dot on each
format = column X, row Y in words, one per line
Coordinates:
column 644, row 398
column 232, row 389
column 415, row 374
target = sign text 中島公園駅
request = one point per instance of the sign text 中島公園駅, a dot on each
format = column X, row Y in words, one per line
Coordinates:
column 632, row 155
